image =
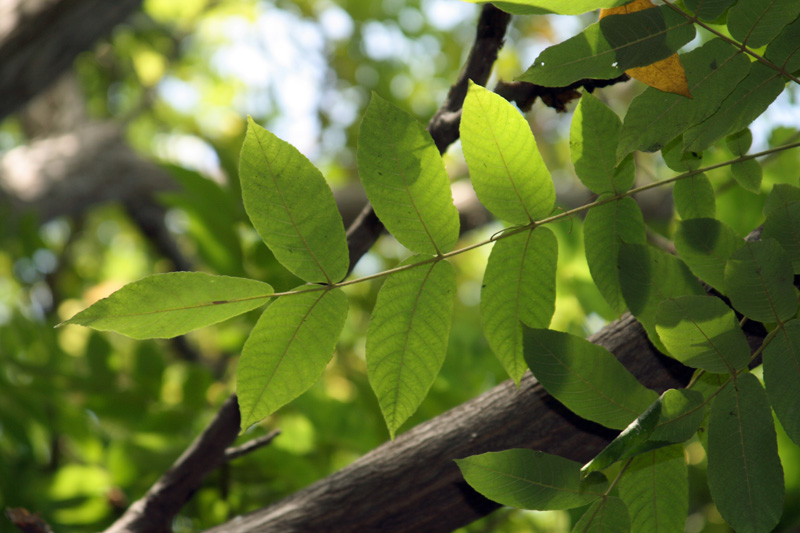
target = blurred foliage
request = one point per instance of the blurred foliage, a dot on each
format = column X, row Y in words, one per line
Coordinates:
column 89, row 421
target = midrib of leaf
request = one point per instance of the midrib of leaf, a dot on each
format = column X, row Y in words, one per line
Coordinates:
column 792, row 227
column 519, row 294
column 505, row 165
column 214, row 303
column 537, row 483
column 790, row 345
column 744, row 452
column 655, row 486
column 405, row 183
column 763, row 284
column 289, row 213
column 598, row 134
column 406, row 336
column 283, row 355
column 753, row 27
column 588, row 384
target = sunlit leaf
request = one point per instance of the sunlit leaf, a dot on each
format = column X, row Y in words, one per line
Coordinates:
column 781, row 376
column 292, row 207
column 606, row 515
column 760, row 282
column 744, row 472
column 655, row 488
column 287, row 351
column 168, row 305
column 702, row 332
column 649, row 276
column 694, row 197
column 783, row 221
column 519, row 287
column 405, row 180
column 507, row 172
column 747, row 101
column 748, row 174
column 593, row 147
column 529, row 479
column 585, row 377
column 755, row 22
column 654, row 117
column 543, row 7
column 706, row 244
column 613, row 45
column 678, row 160
column 407, row 337
column 606, row 227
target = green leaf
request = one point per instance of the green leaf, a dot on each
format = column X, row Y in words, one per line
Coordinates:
column 784, row 50
column 755, row 22
column 287, row 351
column 706, row 244
column 655, row 488
column 405, row 180
column 744, row 471
column 677, row 159
column 606, row 49
column 681, row 415
column 558, row 7
column 654, row 117
column 749, row 99
column 507, row 172
column 529, row 479
column 593, row 146
column 708, row 10
column 648, row 277
column 292, row 207
column 702, row 332
column 760, row 281
column 168, row 305
column 783, row 222
column 606, row 227
column 739, row 143
column 781, row 376
column 606, row 515
column 626, row 444
column 519, row 286
column 585, row 377
column 748, row 174
column 694, row 197
column 407, row 336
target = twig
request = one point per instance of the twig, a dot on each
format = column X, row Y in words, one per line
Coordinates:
column 26, row 521
column 234, row 452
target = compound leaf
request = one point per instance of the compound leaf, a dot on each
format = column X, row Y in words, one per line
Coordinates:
column 694, row 197
column 606, row 515
column 781, row 375
column 706, row 244
column 755, row 22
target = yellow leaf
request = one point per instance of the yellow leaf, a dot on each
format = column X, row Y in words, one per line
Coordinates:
column 666, row 75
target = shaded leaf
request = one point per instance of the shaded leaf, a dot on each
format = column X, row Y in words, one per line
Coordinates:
column 706, row 244
column 783, row 221
column 593, row 147
column 606, row 227
column 755, row 22
column 649, row 276
column 606, row 515
column 529, row 479
column 677, row 159
column 168, row 305
column 760, row 282
column 784, row 50
column 748, row 174
column 694, row 197
column 744, row 472
column 747, row 101
column 405, row 180
column 627, row 443
column 708, row 10
column 702, row 332
column 654, row 117
column 408, row 335
column 606, row 49
column 287, row 351
column 507, row 172
column 781, row 376
column 292, row 207
column 655, row 489
column 681, row 415
column 519, row 287
column 585, row 377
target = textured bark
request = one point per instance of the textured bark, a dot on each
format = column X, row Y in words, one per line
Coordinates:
column 39, row 39
column 412, row 484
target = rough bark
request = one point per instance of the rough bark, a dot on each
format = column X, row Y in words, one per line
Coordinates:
column 39, row 39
